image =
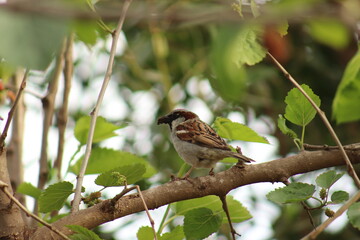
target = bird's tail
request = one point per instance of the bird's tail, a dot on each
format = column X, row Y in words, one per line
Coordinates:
column 242, row 157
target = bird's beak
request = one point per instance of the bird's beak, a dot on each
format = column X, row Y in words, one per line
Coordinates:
column 164, row 119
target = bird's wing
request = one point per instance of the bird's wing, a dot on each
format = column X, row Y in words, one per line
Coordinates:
column 198, row 132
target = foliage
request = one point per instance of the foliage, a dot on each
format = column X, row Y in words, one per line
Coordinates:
column 204, row 56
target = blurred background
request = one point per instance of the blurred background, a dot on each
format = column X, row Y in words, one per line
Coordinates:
column 182, row 54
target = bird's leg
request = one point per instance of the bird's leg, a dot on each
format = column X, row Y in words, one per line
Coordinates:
column 188, row 173
column 211, row 172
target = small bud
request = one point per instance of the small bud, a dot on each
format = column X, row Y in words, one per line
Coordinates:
column 323, row 193
column 328, row 212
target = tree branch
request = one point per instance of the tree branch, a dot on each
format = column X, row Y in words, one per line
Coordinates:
column 62, row 116
column 94, row 113
column 220, row 184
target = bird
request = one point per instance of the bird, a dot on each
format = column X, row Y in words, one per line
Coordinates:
column 196, row 142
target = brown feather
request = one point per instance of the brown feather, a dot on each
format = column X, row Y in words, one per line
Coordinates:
column 200, row 134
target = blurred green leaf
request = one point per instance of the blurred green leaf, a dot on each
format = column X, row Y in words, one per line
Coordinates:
column 327, row 179
column 104, row 160
column 346, row 102
column 354, row 215
column 329, row 31
column 145, row 233
column 103, row 129
column 176, row 234
column 339, row 197
column 54, row 197
column 116, row 177
column 298, row 109
column 86, row 31
column 82, row 233
column 236, row 131
column 199, row 223
column 294, row 192
column 284, row 129
column 30, row 41
column 28, row 189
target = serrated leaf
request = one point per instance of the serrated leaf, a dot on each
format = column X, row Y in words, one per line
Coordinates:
column 117, row 177
column 199, row 223
column 284, row 129
column 176, row 234
column 327, row 179
column 339, row 197
column 31, row 40
column 236, row 131
column 298, row 109
column 103, row 129
column 294, row 192
column 104, row 159
column 346, row 102
column 145, row 233
column 54, row 197
column 329, row 31
column 110, row 179
column 28, row 189
column 248, row 48
column 354, row 215
column 82, row 233
column 238, row 212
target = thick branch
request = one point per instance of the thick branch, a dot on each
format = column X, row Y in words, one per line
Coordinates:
column 220, row 184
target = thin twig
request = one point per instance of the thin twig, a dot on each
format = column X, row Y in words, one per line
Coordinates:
column 63, row 111
column 226, row 210
column 4, row 188
column 94, row 113
column 48, row 103
column 319, row 229
column 147, row 211
column 12, row 111
column 323, row 117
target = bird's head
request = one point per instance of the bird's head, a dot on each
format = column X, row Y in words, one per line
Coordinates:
column 178, row 115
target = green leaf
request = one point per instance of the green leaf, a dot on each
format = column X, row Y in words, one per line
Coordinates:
column 327, row 179
column 339, row 197
column 82, row 233
column 110, row 179
column 298, row 109
column 30, row 40
column 229, row 79
column 232, row 48
column 176, row 234
column 329, row 31
column 199, row 223
column 54, row 197
column 294, row 192
column 117, row 177
column 346, row 102
column 29, row 189
column 238, row 213
column 104, row 160
column 86, row 31
column 236, row 131
column 248, row 48
column 284, row 129
column 145, row 233
column 354, row 215
column 103, row 129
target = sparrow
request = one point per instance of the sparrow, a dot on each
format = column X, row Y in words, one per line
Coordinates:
column 196, row 142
